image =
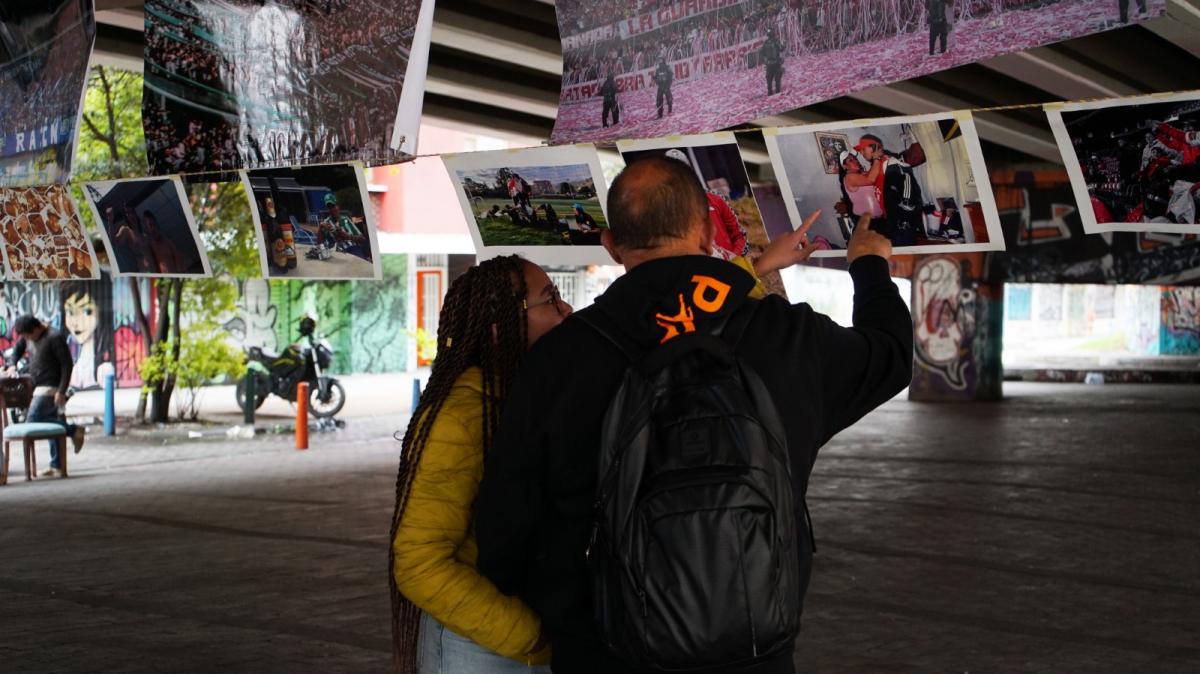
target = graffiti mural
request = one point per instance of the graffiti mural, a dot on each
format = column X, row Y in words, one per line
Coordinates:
column 944, row 314
column 363, row 320
column 958, row 322
column 1180, row 321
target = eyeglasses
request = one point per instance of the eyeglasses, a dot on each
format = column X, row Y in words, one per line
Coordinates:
column 555, row 299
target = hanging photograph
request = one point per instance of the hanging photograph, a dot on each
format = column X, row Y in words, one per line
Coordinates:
column 244, row 84
column 148, row 228
column 1134, row 163
column 314, row 222
column 546, row 204
column 717, row 162
column 43, row 237
column 44, row 52
column 638, row 69
column 921, row 179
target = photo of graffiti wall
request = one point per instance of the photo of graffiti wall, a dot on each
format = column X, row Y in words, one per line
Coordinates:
column 44, row 52
column 44, row 239
column 242, row 83
column 650, row 68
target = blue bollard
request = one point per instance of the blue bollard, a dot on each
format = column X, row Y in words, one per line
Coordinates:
column 416, row 393
column 110, row 412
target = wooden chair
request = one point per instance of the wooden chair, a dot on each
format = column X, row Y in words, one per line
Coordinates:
column 17, row 393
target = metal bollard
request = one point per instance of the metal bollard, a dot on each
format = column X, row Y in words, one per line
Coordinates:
column 251, row 398
column 110, row 411
column 302, row 415
column 416, row 394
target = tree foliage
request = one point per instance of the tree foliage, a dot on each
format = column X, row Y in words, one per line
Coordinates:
column 184, row 312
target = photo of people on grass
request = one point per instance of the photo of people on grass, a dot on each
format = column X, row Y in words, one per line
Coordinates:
column 43, row 237
column 148, row 228
column 535, row 199
column 1134, row 162
column 650, row 68
column 314, row 222
column 242, row 83
column 921, row 179
column 44, row 52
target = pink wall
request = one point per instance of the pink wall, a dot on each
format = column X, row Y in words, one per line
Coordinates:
column 420, row 198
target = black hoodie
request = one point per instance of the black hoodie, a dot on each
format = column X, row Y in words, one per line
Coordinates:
column 534, row 508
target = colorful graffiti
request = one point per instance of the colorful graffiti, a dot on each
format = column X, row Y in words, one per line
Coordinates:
column 98, row 318
column 1180, row 334
column 364, row 321
column 958, row 323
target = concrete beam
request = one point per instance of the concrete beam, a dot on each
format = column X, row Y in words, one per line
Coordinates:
column 1058, row 74
column 131, row 19
column 496, row 41
column 489, row 91
column 1181, row 25
column 913, row 99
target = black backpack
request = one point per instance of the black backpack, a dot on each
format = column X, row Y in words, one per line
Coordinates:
column 694, row 555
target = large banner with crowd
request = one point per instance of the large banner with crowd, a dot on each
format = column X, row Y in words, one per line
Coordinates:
column 649, row 68
column 44, row 52
column 233, row 84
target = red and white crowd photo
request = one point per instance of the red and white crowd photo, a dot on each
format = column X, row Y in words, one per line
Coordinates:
column 1134, row 163
column 921, row 181
column 649, row 68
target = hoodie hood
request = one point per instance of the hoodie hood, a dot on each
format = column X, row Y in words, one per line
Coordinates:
column 664, row 298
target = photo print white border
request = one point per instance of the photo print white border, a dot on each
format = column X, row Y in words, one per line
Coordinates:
column 1070, row 158
column 560, row 155
column 184, row 203
column 87, row 237
column 360, row 175
column 979, row 174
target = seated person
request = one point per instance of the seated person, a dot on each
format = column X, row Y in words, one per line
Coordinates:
column 586, row 222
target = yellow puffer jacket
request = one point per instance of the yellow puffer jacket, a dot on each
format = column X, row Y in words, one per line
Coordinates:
column 435, row 545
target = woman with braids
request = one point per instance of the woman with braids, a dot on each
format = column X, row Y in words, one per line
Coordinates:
column 446, row 617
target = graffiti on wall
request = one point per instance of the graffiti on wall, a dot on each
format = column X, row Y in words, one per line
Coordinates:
column 944, row 313
column 1180, row 321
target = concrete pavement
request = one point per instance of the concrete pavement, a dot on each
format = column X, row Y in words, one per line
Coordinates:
column 1055, row 531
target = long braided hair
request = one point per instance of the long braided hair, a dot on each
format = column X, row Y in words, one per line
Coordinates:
column 482, row 324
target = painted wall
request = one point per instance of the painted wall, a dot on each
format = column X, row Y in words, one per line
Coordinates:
column 364, row 321
column 1180, row 334
column 958, row 323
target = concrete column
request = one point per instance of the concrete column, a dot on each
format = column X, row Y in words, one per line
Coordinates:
column 959, row 321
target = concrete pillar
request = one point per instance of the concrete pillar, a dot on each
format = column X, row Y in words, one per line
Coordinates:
column 959, row 321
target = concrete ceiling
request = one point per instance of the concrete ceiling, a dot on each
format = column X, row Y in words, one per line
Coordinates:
column 495, row 65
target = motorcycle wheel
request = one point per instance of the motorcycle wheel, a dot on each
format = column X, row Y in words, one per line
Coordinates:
column 331, row 405
column 260, row 392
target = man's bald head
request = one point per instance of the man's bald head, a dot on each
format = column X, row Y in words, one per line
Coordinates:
column 655, row 200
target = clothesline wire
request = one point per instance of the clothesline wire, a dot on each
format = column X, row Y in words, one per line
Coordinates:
column 382, row 161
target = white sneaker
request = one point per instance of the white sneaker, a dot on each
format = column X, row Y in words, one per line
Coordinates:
column 51, row 472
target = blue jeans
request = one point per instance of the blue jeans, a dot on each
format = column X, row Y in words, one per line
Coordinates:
column 43, row 410
column 444, row 652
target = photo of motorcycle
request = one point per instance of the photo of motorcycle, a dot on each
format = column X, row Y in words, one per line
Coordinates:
column 281, row 374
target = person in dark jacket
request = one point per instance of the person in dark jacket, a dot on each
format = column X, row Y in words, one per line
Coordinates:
column 772, row 57
column 903, row 202
column 609, row 91
column 50, row 365
column 939, row 24
column 534, row 508
column 1123, row 5
column 664, row 78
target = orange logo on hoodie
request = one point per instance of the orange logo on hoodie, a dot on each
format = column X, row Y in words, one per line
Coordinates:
column 708, row 296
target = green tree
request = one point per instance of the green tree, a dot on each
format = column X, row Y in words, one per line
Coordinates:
column 112, row 145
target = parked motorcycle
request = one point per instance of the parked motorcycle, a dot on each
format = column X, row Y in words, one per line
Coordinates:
column 281, row 374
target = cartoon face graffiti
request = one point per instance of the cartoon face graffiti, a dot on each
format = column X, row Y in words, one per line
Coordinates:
column 80, row 316
column 945, row 320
